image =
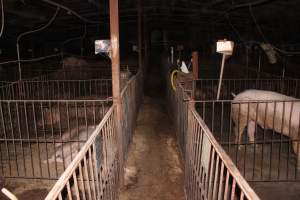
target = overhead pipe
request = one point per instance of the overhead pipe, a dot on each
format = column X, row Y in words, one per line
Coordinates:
column 246, row 5
column 94, row 3
column 70, row 11
column 2, row 19
column 30, row 32
column 74, row 38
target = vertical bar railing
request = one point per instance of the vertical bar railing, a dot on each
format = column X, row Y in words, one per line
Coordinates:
column 93, row 173
column 209, row 171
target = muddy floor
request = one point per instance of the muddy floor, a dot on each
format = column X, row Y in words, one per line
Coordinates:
column 277, row 190
column 154, row 155
column 28, row 189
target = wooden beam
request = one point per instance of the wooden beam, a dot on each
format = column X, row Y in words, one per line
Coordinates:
column 140, row 32
column 115, row 64
column 195, row 62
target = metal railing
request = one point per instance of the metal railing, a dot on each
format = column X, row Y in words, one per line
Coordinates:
column 261, row 137
column 82, row 73
column 57, row 89
column 93, row 174
column 131, row 97
column 39, row 138
column 209, row 171
column 206, row 89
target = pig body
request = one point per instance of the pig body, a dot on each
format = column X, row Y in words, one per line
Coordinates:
column 67, row 149
column 276, row 112
column 125, row 75
column 61, row 115
column 73, row 62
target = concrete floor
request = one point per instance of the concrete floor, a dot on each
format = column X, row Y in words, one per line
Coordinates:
column 154, row 155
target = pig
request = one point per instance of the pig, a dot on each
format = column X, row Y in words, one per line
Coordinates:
column 57, row 115
column 69, row 65
column 125, row 75
column 66, row 152
column 130, row 176
column 282, row 116
column 73, row 62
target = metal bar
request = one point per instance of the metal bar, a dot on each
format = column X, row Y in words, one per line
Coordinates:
column 221, row 76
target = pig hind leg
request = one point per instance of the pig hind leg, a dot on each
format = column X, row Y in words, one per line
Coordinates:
column 296, row 148
column 251, row 131
column 239, row 129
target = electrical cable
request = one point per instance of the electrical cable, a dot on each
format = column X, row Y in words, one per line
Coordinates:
column 41, row 58
column 2, row 19
column 71, row 12
column 234, row 29
column 29, row 32
column 245, row 5
column 75, row 38
column 257, row 26
column 41, row 28
column 30, row 60
column 265, row 39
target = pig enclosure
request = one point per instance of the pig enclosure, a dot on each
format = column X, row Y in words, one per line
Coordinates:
column 44, row 124
column 40, row 138
column 271, row 157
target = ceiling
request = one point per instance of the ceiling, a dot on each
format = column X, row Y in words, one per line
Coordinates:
column 244, row 19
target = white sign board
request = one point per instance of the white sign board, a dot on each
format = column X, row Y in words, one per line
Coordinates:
column 103, row 46
column 225, row 47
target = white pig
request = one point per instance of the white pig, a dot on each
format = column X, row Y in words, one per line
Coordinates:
column 55, row 114
column 276, row 111
column 73, row 62
column 125, row 75
column 65, row 152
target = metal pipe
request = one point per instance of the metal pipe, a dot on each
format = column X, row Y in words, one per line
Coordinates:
column 221, row 76
column 70, row 11
column 29, row 32
column 19, row 61
column 172, row 55
column 259, row 65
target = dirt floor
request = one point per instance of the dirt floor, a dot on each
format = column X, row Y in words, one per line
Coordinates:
column 28, row 189
column 154, row 155
column 278, row 191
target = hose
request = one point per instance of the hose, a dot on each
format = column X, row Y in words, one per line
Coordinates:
column 173, row 74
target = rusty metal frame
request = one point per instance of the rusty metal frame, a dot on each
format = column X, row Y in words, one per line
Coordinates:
column 209, row 171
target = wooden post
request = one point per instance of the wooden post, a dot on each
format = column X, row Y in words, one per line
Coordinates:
column 115, row 62
column 195, row 68
column 195, row 62
column 140, row 37
column 145, row 43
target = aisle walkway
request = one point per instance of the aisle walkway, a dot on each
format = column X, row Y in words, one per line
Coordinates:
column 154, row 155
